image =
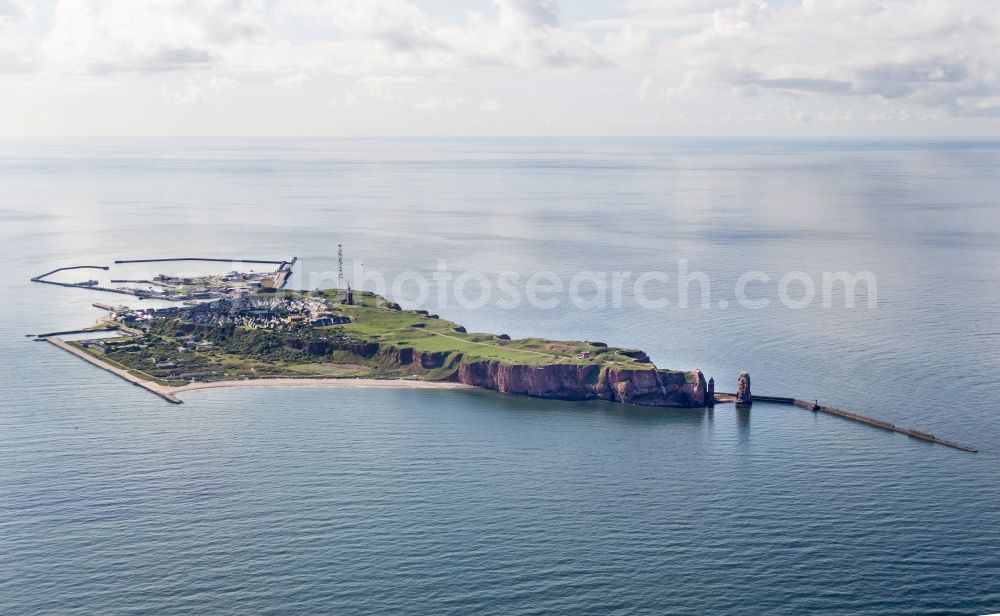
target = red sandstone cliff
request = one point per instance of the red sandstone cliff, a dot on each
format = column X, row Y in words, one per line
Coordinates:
column 644, row 386
column 648, row 387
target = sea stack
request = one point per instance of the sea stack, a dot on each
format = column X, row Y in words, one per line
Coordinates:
column 710, row 394
column 743, row 395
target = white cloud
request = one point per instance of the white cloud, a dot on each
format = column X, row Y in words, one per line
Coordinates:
column 891, row 61
column 399, row 23
column 188, row 95
column 217, row 82
column 194, row 90
column 435, row 103
column 18, row 45
column 836, row 116
column 388, row 88
column 979, row 105
column 386, row 35
column 490, row 105
column 628, row 42
column 347, row 100
column 13, row 10
column 650, row 91
column 291, row 81
column 931, row 53
column 796, row 116
column 107, row 36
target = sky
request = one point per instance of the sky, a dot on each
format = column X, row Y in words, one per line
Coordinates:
column 725, row 68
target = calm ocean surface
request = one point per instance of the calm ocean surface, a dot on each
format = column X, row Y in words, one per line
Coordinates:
column 444, row 502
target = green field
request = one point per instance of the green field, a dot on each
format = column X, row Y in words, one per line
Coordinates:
column 409, row 329
column 378, row 332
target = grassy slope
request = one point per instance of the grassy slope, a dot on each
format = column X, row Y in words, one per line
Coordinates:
column 396, row 327
column 374, row 320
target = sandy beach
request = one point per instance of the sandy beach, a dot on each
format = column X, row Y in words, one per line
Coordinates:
column 169, row 393
column 331, row 382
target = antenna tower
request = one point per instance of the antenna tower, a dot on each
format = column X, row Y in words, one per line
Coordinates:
column 340, row 267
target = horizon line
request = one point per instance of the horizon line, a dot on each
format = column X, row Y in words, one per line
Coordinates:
column 525, row 137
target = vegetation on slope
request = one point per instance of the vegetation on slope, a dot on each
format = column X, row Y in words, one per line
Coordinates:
column 372, row 345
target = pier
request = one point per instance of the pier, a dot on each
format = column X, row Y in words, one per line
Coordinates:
column 149, row 282
column 871, row 421
column 281, row 278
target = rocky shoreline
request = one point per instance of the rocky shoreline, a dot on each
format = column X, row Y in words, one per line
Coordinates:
column 563, row 381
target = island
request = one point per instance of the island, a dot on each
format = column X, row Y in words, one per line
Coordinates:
column 248, row 328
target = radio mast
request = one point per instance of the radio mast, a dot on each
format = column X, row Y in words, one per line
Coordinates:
column 340, row 268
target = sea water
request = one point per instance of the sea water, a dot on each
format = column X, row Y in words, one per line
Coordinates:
column 375, row 501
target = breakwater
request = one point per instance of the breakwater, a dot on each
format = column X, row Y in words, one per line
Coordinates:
column 133, row 292
column 79, row 285
column 40, row 278
column 159, row 390
column 857, row 417
column 282, row 274
column 279, row 263
column 80, row 331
